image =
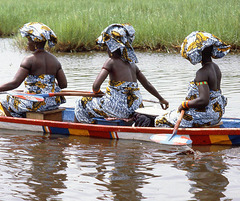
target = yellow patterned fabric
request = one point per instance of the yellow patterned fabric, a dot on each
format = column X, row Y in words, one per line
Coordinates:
column 120, row 101
column 119, row 36
column 42, row 84
column 210, row 115
column 197, row 41
column 39, row 32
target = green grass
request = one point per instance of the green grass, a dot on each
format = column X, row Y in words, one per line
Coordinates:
column 159, row 24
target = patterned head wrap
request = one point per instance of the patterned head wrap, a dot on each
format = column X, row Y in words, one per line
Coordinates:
column 39, row 32
column 119, row 36
column 197, row 41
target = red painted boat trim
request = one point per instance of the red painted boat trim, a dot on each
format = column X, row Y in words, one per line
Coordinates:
column 204, row 136
column 154, row 130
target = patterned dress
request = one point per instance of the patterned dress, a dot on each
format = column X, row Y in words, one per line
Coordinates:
column 193, row 117
column 39, row 85
column 120, row 101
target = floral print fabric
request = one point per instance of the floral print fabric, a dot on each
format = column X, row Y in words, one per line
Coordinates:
column 120, row 101
column 39, row 32
column 197, row 41
column 39, row 85
column 193, row 117
column 119, row 36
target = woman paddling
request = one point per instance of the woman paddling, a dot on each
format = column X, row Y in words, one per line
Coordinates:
column 40, row 71
column 204, row 104
column 122, row 95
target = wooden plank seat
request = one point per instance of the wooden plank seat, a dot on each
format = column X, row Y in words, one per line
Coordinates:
column 54, row 115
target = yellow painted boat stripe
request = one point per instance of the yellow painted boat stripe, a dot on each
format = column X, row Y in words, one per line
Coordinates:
column 46, row 128
column 114, row 135
column 78, row 132
column 220, row 139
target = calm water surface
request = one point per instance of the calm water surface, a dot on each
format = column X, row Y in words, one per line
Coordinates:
column 34, row 167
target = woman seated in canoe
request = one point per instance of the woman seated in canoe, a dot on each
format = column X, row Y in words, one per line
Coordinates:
column 122, row 95
column 39, row 71
column 204, row 104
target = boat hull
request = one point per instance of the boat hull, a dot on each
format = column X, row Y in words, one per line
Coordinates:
column 227, row 134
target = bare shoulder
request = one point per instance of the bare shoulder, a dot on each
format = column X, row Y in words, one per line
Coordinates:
column 27, row 61
column 201, row 75
column 134, row 66
column 48, row 54
column 108, row 64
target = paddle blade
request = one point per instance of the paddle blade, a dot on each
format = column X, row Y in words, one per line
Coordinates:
column 29, row 97
column 176, row 140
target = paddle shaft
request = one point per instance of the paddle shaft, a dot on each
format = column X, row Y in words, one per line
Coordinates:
column 145, row 100
column 40, row 97
column 83, row 93
column 78, row 93
column 177, row 125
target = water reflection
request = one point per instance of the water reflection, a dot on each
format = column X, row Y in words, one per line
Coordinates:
column 118, row 170
column 47, row 171
column 32, row 168
column 63, row 168
column 206, row 173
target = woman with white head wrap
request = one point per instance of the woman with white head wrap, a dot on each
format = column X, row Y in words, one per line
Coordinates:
column 122, row 95
column 40, row 71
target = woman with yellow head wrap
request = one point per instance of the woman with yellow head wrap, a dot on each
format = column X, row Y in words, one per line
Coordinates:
column 204, row 104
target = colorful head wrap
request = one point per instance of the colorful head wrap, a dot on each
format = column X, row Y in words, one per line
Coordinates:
column 119, row 36
column 197, row 41
column 39, row 32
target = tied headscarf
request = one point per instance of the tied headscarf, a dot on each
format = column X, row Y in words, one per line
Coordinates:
column 197, row 41
column 39, row 32
column 119, row 36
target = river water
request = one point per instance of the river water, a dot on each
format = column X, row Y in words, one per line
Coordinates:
column 34, row 167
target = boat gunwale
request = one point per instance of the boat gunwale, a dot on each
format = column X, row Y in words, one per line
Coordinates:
column 114, row 128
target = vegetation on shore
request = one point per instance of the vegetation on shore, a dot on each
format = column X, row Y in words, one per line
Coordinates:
column 160, row 24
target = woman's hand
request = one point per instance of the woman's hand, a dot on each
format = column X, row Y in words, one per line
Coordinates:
column 164, row 104
column 184, row 106
column 180, row 108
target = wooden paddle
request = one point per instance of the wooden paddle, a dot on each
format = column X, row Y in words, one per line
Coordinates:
column 145, row 100
column 40, row 97
column 64, row 92
column 172, row 139
column 177, row 125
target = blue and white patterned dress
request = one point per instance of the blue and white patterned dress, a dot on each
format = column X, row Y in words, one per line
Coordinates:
column 210, row 115
column 38, row 85
column 120, row 101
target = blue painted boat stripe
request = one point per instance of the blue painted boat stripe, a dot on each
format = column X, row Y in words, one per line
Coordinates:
column 235, row 139
column 44, row 130
column 64, row 131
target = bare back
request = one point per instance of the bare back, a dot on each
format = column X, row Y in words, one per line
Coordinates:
column 211, row 73
column 41, row 62
column 120, row 70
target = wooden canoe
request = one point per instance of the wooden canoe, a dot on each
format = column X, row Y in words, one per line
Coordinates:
column 226, row 134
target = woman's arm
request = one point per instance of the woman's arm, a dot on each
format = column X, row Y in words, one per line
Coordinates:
column 19, row 77
column 204, row 93
column 61, row 79
column 99, row 80
column 102, row 76
column 151, row 89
